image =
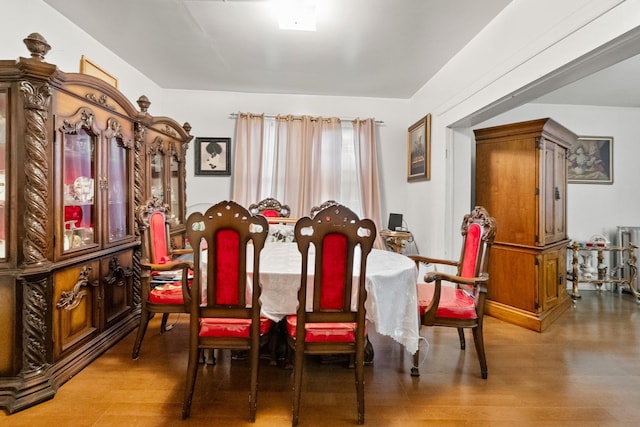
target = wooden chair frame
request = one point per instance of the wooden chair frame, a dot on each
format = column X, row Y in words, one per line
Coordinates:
column 150, row 263
column 270, row 204
column 476, row 285
column 251, row 231
column 332, row 220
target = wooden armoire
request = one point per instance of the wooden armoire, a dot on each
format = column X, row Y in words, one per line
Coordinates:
column 521, row 179
column 74, row 162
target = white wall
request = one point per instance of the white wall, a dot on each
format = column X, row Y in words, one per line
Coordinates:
column 68, row 43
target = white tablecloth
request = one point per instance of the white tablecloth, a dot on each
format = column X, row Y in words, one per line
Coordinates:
column 391, row 304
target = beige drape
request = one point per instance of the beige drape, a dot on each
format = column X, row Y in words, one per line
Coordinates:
column 248, row 159
column 364, row 134
column 307, row 163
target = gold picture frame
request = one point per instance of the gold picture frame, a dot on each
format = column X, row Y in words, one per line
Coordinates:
column 92, row 69
column 590, row 160
column 419, row 150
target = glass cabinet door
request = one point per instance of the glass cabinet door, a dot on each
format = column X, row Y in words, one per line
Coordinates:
column 3, row 183
column 176, row 196
column 157, row 175
column 117, row 187
column 79, row 190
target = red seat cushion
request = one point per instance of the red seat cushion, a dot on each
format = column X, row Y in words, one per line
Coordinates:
column 324, row 332
column 225, row 327
column 454, row 303
column 270, row 213
column 170, row 293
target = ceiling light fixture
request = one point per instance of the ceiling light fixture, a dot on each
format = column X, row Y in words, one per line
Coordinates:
column 297, row 15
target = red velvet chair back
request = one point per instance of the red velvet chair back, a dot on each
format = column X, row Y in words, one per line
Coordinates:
column 158, row 236
column 335, row 232
column 228, row 229
column 154, row 229
column 477, row 232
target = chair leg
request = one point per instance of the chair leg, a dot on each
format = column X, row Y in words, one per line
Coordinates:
column 463, row 344
column 163, row 324
column 192, row 371
column 253, row 394
column 297, row 383
column 142, row 329
column 415, row 371
column 479, row 341
column 360, row 385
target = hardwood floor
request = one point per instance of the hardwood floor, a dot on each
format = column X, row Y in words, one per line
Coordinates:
column 583, row 371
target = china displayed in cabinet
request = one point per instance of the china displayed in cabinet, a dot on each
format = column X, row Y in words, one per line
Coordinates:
column 73, row 169
column 521, row 180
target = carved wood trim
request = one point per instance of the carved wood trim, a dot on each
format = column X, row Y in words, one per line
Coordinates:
column 34, row 315
column 156, row 146
column 37, row 241
column 168, row 131
column 114, row 130
column 117, row 273
column 101, row 100
column 71, row 299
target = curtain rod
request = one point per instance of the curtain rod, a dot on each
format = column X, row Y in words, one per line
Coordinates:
column 273, row 116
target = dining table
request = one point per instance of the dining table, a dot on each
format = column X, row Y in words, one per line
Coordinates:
column 391, row 304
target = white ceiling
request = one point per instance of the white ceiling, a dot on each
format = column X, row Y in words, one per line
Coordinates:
column 368, row 48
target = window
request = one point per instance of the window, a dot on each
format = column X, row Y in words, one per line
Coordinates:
column 272, row 173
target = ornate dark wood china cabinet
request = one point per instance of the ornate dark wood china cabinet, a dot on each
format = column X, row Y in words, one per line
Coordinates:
column 166, row 144
column 72, row 172
column 521, row 180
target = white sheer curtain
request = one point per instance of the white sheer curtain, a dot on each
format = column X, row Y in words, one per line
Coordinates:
column 304, row 161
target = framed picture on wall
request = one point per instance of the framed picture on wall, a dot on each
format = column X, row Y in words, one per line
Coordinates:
column 91, row 68
column 419, row 150
column 590, row 160
column 213, row 156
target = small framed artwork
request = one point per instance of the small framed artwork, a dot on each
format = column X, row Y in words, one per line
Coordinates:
column 419, row 150
column 213, row 156
column 590, row 160
column 91, row 68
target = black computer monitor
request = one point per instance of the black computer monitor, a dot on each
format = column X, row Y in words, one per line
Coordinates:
column 395, row 221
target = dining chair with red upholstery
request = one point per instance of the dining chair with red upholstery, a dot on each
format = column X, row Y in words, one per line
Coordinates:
column 331, row 322
column 457, row 300
column 222, row 316
column 164, row 279
column 270, row 208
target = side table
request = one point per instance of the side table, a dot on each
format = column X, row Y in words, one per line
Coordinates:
column 395, row 239
column 602, row 273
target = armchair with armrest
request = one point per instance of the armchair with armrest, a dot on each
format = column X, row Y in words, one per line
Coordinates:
column 164, row 279
column 461, row 305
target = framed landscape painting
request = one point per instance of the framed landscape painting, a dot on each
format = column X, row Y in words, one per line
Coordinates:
column 419, row 150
